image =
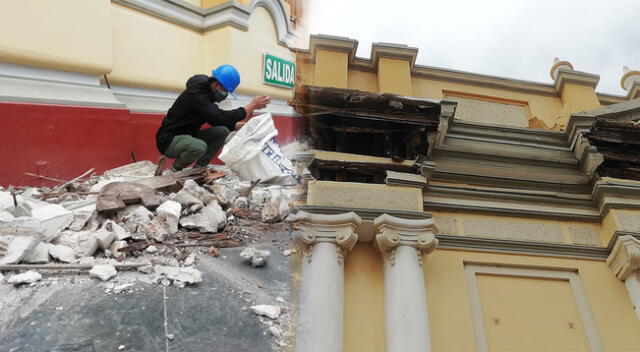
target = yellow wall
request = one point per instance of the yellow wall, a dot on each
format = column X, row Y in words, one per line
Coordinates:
column 450, row 320
column 363, row 298
column 153, row 53
column 246, row 49
column 530, row 314
column 394, row 76
column 331, row 69
column 134, row 48
column 450, row 312
column 71, row 35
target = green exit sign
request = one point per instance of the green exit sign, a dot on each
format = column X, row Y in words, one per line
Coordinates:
column 278, row 71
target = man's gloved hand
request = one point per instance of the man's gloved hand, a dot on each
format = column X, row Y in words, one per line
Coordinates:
column 257, row 103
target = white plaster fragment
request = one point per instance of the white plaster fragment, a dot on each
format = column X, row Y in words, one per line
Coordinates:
column 192, row 194
column 19, row 247
column 275, row 331
column 170, row 207
column 209, row 219
column 123, row 287
column 255, row 256
column 271, row 312
column 119, row 231
column 103, row 272
column 6, row 216
column 28, row 277
column 115, row 246
column 37, row 255
column 185, row 275
column 6, row 202
column 62, row 253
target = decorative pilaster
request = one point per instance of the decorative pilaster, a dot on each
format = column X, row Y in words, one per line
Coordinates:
column 402, row 243
column 324, row 241
column 624, row 260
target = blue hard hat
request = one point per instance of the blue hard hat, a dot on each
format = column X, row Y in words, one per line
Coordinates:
column 228, row 76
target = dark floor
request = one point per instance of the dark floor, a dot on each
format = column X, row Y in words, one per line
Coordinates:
column 208, row 316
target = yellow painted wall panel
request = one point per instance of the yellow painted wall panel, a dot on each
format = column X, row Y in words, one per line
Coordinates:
column 246, row 49
column 71, row 35
column 331, row 69
column 153, row 53
column 363, row 267
column 394, row 76
column 361, row 80
column 530, row 314
column 449, row 308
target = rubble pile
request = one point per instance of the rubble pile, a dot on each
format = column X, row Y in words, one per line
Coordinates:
column 157, row 224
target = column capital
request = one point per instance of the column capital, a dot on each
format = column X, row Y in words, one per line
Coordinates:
column 338, row 229
column 394, row 232
column 625, row 257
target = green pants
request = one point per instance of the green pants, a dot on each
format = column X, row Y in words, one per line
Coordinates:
column 200, row 148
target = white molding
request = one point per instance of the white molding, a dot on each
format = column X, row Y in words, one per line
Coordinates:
column 229, row 13
column 20, row 83
column 570, row 275
column 145, row 100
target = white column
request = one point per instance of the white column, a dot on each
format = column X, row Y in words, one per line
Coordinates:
column 624, row 260
column 402, row 243
column 324, row 241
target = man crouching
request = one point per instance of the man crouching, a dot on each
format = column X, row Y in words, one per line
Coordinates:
column 179, row 137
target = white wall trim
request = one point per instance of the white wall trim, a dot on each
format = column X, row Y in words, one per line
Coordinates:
column 570, row 275
column 20, row 83
column 230, row 13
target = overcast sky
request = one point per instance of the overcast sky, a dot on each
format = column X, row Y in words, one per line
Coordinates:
column 514, row 39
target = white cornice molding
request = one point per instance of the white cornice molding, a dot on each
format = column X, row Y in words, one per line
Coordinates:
column 19, row 83
column 565, row 77
column 625, row 257
column 231, row 13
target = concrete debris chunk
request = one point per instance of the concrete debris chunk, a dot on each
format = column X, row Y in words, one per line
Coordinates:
column 275, row 331
column 276, row 208
column 226, row 196
column 151, row 249
column 6, row 202
column 210, row 219
column 191, row 194
column 62, row 253
column 183, row 275
column 241, row 203
column 83, row 243
column 271, row 312
column 170, row 207
column 80, row 218
column 37, row 255
column 122, row 288
column 21, row 226
column 120, row 233
column 1, row 278
column 136, row 214
column 54, row 217
column 115, row 246
column 255, row 256
column 191, row 259
column 28, row 277
column 19, row 247
column 105, row 238
column 6, row 216
column 103, row 272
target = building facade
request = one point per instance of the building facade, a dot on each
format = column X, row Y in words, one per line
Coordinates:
column 85, row 84
column 453, row 211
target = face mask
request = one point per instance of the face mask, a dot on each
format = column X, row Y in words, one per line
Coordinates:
column 219, row 96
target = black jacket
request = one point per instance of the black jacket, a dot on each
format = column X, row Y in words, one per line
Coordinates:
column 193, row 108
